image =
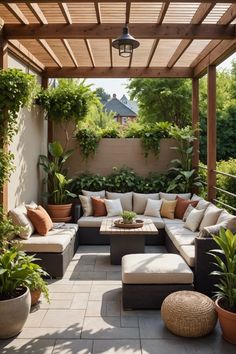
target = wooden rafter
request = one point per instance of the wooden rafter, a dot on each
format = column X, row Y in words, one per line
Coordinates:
column 98, row 12
column 163, row 11
column 152, row 52
column 18, row 49
column 38, row 13
column 65, row 12
column 70, row 51
column 118, row 72
column 127, row 12
column 111, row 54
column 110, row 1
column 49, row 50
column 104, row 31
column 199, row 16
column 89, row 49
column 15, row 10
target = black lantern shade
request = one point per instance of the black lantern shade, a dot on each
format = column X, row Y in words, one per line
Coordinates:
column 125, row 43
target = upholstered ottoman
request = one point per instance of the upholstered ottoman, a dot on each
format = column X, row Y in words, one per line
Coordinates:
column 148, row 278
column 189, row 314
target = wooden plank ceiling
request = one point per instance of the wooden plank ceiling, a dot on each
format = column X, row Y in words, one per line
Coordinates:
column 73, row 38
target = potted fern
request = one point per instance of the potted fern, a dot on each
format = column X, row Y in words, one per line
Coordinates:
column 225, row 261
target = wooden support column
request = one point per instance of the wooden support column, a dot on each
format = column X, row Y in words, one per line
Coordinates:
column 44, row 85
column 195, row 121
column 3, row 65
column 211, row 133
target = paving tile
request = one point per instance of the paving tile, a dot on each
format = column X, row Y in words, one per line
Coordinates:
column 95, row 309
column 105, row 293
column 70, row 332
column 152, row 327
column 63, row 318
column 114, row 276
column 82, row 288
column 116, row 346
column 89, row 275
column 164, row 346
column 35, row 318
column 107, row 282
column 27, row 346
column 129, row 321
column 60, row 288
column 61, row 296
column 107, row 328
column 79, row 346
column 56, row 304
column 80, row 301
column 61, row 281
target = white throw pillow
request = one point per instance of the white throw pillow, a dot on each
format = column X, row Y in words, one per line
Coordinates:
column 153, row 208
column 202, row 204
column 100, row 194
column 113, row 207
column 20, row 218
column 125, row 199
column 211, row 216
column 187, row 212
column 173, row 196
column 194, row 219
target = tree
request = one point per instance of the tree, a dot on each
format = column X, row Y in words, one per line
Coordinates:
column 163, row 99
column 102, row 95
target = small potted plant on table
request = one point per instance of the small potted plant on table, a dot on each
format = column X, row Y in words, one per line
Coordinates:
column 225, row 261
column 128, row 217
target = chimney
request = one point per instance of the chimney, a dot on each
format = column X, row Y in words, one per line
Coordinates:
column 114, row 95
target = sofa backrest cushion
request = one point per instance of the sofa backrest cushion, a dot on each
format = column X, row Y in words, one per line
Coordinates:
column 140, row 201
column 99, row 207
column 125, row 199
column 173, row 196
column 40, row 219
column 207, row 232
column 211, row 216
column 100, row 194
column 20, row 218
column 168, row 208
column 182, row 205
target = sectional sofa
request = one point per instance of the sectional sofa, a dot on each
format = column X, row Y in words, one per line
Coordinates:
column 192, row 246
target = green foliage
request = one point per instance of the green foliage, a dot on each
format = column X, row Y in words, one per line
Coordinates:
column 36, row 282
column 16, row 268
column 152, row 134
column 88, row 141
column 7, row 230
column 88, row 181
column 128, row 216
column 110, row 132
column 162, row 99
column 6, row 166
column 134, row 129
column 226, row 266
column 183, row 177
column 102, row 95
column 98, row 118
column 53, row 166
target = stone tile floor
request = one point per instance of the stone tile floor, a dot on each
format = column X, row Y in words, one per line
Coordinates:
column 85, row 316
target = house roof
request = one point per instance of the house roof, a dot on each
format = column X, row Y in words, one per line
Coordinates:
column 133, row 105
column 116, row 106
column 73, row 38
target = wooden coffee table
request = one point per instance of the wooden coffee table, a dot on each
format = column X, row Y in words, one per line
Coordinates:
column 126, row 241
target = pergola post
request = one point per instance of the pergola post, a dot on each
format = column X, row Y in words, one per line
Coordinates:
column 211, row 133
column 44, row 85
column 195, row 121
column 3, row 65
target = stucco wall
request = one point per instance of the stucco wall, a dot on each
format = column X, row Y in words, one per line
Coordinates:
column 31, row 140
column 118, row 153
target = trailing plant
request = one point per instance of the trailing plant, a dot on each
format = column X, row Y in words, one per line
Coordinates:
column 6, row 166
column 53, row 166
column 88, row 181
column 88, row 141
column 7, row 230
column 152, row 134
column 225, row 261
column 110, row 132
column 183, row 177
column 36, row 282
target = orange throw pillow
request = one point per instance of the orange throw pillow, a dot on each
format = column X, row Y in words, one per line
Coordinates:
column 40, row 219
column 182, row 205
column 99, row 207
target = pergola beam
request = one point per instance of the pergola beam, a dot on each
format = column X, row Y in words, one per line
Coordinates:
column 15, row 10
column 110, row 1
column 70, row 51
column 98, row 12
column 50, row 52
column 65, row 12
column 105, row 31
column 38, row 13
column 117, row 72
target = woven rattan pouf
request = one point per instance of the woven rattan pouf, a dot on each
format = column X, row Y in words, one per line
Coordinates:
column 189, row 314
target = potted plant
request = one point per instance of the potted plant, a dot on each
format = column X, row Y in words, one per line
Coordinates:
column 38, row 286
column 225, row 261
column 58, row 193
column 128, row 217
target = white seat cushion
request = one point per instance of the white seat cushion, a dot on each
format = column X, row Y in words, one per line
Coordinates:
column 180, row 236
column 91, row 221
column 54, row 242
column 176, row 222
column 155, row 268
column 188, row 254
column 158, row 222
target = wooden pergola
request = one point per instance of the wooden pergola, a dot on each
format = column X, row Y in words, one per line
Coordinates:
column 178, row 39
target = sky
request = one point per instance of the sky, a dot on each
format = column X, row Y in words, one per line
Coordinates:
column 118, row 86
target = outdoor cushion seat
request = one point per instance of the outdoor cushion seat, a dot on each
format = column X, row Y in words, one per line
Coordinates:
column 158, row 222
column 188, row 254
column 55, row 241
column 185, row 238
column 175, row 222
column 155, row 268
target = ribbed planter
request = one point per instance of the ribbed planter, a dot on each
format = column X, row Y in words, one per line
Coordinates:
column 60, row 213
column 227, row 323
column 13, row 314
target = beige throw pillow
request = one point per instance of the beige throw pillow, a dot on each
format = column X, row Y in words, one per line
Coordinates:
column 125, row 199
column 140, row 201
column 20, row 218
column 194, row 219
column 87, row 206
column 202, row 204
column 113, row 207
column 196, row 197
column 173, row 196
column 211, row 216
column 153, row 208
column 100, row 194
column 168, row 208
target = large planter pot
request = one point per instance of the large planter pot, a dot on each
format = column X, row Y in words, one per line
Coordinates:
column 35, row 295
column 227, row 323
column 13, row 314
column 60, row 213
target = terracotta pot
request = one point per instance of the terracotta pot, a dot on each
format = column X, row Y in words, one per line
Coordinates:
column 13, row 314
column 35, row 295
column 227, row 323
column 60, row 213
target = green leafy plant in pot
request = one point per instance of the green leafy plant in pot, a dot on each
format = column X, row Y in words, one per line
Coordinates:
column 128, row 217
column 58, row 193
column 38, row 286
column 225, row 261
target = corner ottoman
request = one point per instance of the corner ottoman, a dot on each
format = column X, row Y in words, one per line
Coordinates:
column 147, row 279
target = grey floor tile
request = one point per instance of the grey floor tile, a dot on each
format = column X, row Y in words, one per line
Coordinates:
column 56, row 304
column 113, row 275
column 80, row 301
column 89, row 275
column 71, row 332
column 63, row 318
column 82, row 287
column 152, row 327
column 116, row 346
column 28, row 346
column 35, row 318
column 79, row 346
column 163, row 346
column 129, row 321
